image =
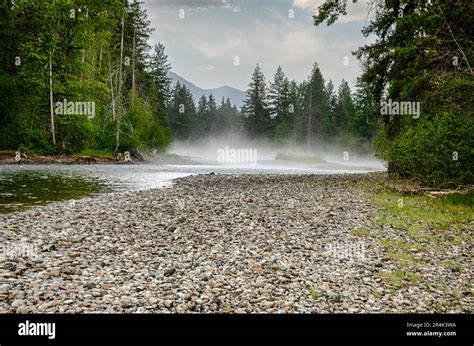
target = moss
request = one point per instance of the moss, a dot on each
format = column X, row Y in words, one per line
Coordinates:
column 364, row 232
column 398, row 278
column 313, row 292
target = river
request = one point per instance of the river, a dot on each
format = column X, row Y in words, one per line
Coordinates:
column 24, row 186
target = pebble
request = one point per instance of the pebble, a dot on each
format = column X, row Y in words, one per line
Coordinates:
column 221, row 244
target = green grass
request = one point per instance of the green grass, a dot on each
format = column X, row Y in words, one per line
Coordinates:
column 466, row 199
column 96, row 153
column 364, row 232
column 313, row 293
column 86, row 152
column 424, row 224
column 397, row 279
column 451, row 265
column 361, row 232
column 422, row 212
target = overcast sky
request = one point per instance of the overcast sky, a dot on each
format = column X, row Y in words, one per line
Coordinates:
column 202, row 46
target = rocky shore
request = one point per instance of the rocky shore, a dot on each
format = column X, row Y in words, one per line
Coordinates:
column 33, row 159
column 217, row 243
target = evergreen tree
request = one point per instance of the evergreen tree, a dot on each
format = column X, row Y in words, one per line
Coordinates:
column 159, row 68
column 362, row 124
column 332, row 101
column 276, row 95
column 202, row 121
column 280, row 105
column 212, row 115
column 255, row 109
column 344, row 106
column 422, row 55
column 79, row 52
column 182, row 113
column 315, row 124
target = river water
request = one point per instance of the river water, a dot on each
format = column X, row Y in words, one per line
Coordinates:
column 24, row 186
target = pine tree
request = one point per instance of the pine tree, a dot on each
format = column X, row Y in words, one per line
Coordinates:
column 422, row 54
column 344, row 106
column 332, row 101
column 159, row 68
column 362, row 124
column 280, row 105
column 315, row 125
column 182, row 113
column 275, row 94
column 255, row 109
column 202, row 120
column 80, row 51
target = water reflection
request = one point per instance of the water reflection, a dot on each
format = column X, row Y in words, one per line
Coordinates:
column 26, row 186
column 23, row 186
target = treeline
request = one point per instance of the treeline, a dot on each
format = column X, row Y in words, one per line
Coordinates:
column 311, row 113
column 423, row 56
column 209, row 118
column 78, row 75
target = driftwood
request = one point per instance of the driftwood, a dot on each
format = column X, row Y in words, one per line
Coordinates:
column 440, row 193
column 429, row 191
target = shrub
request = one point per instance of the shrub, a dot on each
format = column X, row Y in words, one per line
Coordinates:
column 437, row 152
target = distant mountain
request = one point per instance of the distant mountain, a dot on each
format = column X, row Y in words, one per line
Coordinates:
column 236, row 96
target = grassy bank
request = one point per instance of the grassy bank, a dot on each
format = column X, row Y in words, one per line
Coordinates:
column 413, row 228
column 83, row 157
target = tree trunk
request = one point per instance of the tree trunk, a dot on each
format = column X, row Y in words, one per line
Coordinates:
column 120, row 82
column 112, row 88
column 309, row 118
column 133, row 66
column 51, row 101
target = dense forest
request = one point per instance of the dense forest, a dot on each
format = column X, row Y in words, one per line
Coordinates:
column 98, row 54
column 80, row 75
column 423, row 54
column 93, row 57
column 311, row 113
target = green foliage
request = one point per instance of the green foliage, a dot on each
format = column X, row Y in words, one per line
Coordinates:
column 466, row 199
column 422, row 54
column 182, row 113
column 82, row 40
column 437, row 151
column 255, row 109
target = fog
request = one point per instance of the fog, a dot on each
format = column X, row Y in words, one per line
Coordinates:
column 235, row 149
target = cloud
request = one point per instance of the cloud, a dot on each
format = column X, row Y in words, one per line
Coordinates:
column 355, row 11
column 197, row 4
column 202, row 46
column 204, row 68
column 307, row 4
column 226, row 46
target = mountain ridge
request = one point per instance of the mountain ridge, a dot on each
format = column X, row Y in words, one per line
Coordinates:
column 236, row 96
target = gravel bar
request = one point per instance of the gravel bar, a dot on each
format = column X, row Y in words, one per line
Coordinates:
column 214, row 244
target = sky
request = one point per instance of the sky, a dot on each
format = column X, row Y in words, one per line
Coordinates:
column 213, row 43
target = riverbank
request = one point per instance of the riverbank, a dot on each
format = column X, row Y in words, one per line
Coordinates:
column 8, row 157
column 38, row 159
column 238, row 243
